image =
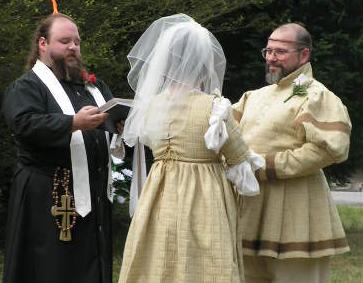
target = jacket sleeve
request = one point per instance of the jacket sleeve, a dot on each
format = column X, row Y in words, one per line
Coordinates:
column 324, row 124
column 238, row 108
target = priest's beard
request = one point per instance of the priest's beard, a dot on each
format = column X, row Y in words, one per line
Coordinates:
column 275, row 77
column 69, row 68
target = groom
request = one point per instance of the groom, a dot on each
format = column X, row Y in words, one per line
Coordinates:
column 292, row 228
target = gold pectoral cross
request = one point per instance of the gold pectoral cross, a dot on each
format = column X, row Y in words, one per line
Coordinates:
column 66, row 211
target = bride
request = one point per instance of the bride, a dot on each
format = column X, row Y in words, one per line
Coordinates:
column 184, row 226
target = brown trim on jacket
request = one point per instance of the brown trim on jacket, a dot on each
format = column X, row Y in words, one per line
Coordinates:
column 326, row 126
column 270, row 167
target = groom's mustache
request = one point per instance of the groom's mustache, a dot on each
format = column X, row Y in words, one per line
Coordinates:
column 274, row 65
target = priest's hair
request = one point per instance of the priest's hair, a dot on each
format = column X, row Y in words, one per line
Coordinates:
column 42, row 30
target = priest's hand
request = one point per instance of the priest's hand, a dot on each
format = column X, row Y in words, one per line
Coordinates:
column 88, row 118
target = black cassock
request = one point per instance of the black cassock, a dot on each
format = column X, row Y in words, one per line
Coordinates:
column 33, row 251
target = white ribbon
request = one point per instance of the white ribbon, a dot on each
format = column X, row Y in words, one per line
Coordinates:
column 138, row 176
column 81, row 186
column 217, row 134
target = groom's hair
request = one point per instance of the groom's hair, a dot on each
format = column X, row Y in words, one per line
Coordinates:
column 303, row 38
column 42, row 30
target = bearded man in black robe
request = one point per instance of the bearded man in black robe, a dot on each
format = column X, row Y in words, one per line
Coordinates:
column 47, row 241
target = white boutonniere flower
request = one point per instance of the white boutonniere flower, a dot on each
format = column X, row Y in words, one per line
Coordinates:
column 301, row 83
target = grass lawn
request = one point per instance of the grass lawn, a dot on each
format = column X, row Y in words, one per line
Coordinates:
column 346, row 268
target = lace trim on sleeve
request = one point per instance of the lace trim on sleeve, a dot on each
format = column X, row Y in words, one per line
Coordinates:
column 243, row 175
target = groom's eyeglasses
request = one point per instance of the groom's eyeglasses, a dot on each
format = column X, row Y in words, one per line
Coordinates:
column 278, row 52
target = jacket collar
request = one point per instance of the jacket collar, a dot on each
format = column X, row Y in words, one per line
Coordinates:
column 305, row 69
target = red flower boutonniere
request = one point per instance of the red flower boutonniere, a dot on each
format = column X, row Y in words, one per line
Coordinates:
column 88, row 78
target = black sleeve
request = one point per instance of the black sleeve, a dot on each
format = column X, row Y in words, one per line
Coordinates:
column 33, row 115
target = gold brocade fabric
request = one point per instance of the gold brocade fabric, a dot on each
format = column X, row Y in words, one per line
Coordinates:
column 294, row 215
column 184, row 227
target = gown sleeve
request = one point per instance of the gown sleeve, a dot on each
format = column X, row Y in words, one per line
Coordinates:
column 324, row 124
column 240, row 160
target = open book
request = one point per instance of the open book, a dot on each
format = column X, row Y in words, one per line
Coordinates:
column 118, row 109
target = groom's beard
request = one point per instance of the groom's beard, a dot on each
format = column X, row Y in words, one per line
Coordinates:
column 69, row 67
column 278, row 74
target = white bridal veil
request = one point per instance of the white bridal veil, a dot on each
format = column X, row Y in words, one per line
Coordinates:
column 174, row 56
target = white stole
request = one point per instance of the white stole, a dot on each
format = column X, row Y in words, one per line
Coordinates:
column 81, row 186
column 97, row 95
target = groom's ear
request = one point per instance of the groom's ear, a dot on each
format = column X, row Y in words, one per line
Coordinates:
column 305, row 55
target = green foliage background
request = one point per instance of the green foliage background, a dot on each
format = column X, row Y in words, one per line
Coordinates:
column 109, row 28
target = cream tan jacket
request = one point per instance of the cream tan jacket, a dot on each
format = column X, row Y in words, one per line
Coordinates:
column 294, row 215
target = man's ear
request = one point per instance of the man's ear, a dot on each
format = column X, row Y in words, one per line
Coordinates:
column 42, row 44
column 305, row 55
